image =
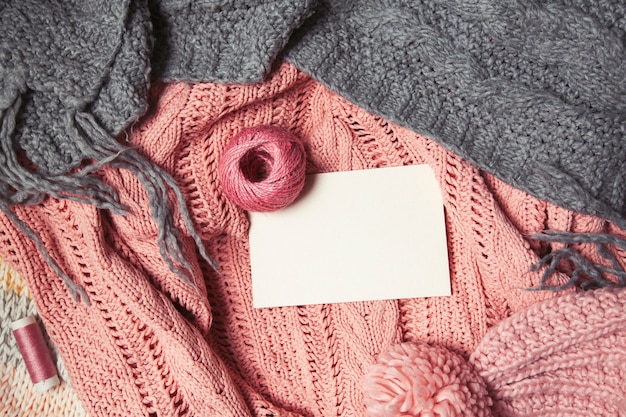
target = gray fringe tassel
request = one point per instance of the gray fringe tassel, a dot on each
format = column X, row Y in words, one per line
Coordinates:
column 586, row 274
column 21, row 186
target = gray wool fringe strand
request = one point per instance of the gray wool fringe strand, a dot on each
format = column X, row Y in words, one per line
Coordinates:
column 21, row 186
column 586, row 274
column 76, row 291
column 156, row 182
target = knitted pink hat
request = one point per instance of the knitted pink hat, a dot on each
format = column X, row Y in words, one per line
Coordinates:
column 566, row 356
column 150, row 343
column 562, row 357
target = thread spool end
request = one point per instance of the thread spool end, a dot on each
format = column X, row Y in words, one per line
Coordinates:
column 23, row 322
column 47, row 384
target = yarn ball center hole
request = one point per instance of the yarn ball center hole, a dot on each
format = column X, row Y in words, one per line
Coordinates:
column 256, row 165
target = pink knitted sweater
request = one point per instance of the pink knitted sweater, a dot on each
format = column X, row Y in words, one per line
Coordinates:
column 151, row 344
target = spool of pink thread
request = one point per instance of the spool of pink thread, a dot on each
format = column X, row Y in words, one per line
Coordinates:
column 34, row 350
column 263, row 168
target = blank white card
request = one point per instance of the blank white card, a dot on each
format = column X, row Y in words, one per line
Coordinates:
column 374, row 234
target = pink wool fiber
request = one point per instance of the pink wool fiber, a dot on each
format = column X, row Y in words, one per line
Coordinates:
column 263, row 168
column 419, row 380
column 151, row 344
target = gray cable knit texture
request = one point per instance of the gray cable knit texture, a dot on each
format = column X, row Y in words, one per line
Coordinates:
column 227, row 41
column 532, row 91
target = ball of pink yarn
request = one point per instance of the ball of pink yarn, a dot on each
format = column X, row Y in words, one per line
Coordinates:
column 263, row 168
column 412, row 380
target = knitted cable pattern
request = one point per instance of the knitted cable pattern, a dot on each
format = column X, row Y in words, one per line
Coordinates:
column 153, row 344
column 222, row 40
column 534, row 92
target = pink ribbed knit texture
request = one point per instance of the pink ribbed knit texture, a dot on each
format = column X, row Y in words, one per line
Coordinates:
column 151, row 343
column 562, row 357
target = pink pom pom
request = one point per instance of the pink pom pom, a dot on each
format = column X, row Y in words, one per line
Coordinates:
column 263, row 168
column 412, row 380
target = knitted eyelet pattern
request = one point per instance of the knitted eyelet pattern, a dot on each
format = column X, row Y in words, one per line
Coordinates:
column 151, row 343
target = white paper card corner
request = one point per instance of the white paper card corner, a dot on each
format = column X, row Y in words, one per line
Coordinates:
column 365, row 235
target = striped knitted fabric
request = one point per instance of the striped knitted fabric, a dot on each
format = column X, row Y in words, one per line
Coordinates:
column 151, row 344
column 18, row 398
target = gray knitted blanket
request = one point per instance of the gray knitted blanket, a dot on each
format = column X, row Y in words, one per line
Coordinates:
column 531, row 91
